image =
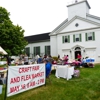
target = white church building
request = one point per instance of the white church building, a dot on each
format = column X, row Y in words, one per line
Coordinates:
column 79, row 33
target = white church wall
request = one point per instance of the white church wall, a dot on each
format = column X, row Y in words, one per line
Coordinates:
column 82, row 25
column 97, row 44
column 92, row 48
column 87, row 9
column 41, row 44
column 53, row 44
column 79, row 10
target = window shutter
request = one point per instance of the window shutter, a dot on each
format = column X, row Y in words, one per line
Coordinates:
column 29, row 52
column 34, row 52
column 68, row 38
column 39, row 50
column 62, row 39
column 73, row 38
column 45, row 50
column 80, row 38
column 86, row 36
column 93, row 35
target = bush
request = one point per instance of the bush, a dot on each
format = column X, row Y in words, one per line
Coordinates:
column 55, row 58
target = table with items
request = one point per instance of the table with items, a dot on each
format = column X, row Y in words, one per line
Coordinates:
column 64, row 71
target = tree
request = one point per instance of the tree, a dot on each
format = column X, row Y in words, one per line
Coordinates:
column 11, row 36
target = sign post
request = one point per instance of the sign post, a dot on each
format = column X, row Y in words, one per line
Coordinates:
column 5, row 96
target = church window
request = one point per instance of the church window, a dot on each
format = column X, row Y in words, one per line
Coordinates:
column 47, row 50
column 77, row 38
column 76, row 24
column 66, row 39
column 36, row 50
column 90, row 36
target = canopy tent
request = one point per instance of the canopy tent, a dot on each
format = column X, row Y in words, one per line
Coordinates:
column 2, row 51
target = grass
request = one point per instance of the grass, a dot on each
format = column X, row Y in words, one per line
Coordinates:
column 86, row 87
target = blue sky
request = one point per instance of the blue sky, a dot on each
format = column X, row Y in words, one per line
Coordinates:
column 41, row 16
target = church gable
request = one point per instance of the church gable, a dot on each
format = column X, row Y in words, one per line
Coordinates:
column 78, row 23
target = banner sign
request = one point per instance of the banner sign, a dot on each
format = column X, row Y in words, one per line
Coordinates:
column 25, row 77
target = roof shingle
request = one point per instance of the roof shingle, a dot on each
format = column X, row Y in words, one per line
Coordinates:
column 38, row 37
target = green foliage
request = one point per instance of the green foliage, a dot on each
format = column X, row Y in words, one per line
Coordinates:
column 11, row 36
column 55, row 58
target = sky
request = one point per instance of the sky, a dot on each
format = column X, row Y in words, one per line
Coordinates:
column 41, row 16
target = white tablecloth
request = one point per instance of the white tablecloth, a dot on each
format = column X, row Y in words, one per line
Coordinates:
column 3, row 62
column 54, row 66
column 64, row 72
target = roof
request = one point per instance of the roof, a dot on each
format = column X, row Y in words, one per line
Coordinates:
column 93, row 16
column 80, row 2
column 38, row 37
column 76, row 17
column 81, row 18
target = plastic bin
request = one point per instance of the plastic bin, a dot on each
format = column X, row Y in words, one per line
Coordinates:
column 87, row 60
column 92, row 60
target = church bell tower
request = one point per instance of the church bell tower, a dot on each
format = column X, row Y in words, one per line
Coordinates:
column 78, row 8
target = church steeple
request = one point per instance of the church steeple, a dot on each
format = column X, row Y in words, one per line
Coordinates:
column 78, row 8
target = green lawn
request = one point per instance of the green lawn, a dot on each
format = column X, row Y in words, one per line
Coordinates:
column 86, row 87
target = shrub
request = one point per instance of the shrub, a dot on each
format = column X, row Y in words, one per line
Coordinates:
column 55, row 58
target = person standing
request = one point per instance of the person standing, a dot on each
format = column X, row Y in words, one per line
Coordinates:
column 79, row 57
column 50, row 59
column 36, row 58
column 48, row 67
column 65, row 59
column 40, row 60
column 26, row 60
column 8, row 60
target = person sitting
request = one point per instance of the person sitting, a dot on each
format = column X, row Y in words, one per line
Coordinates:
column 83, row 62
